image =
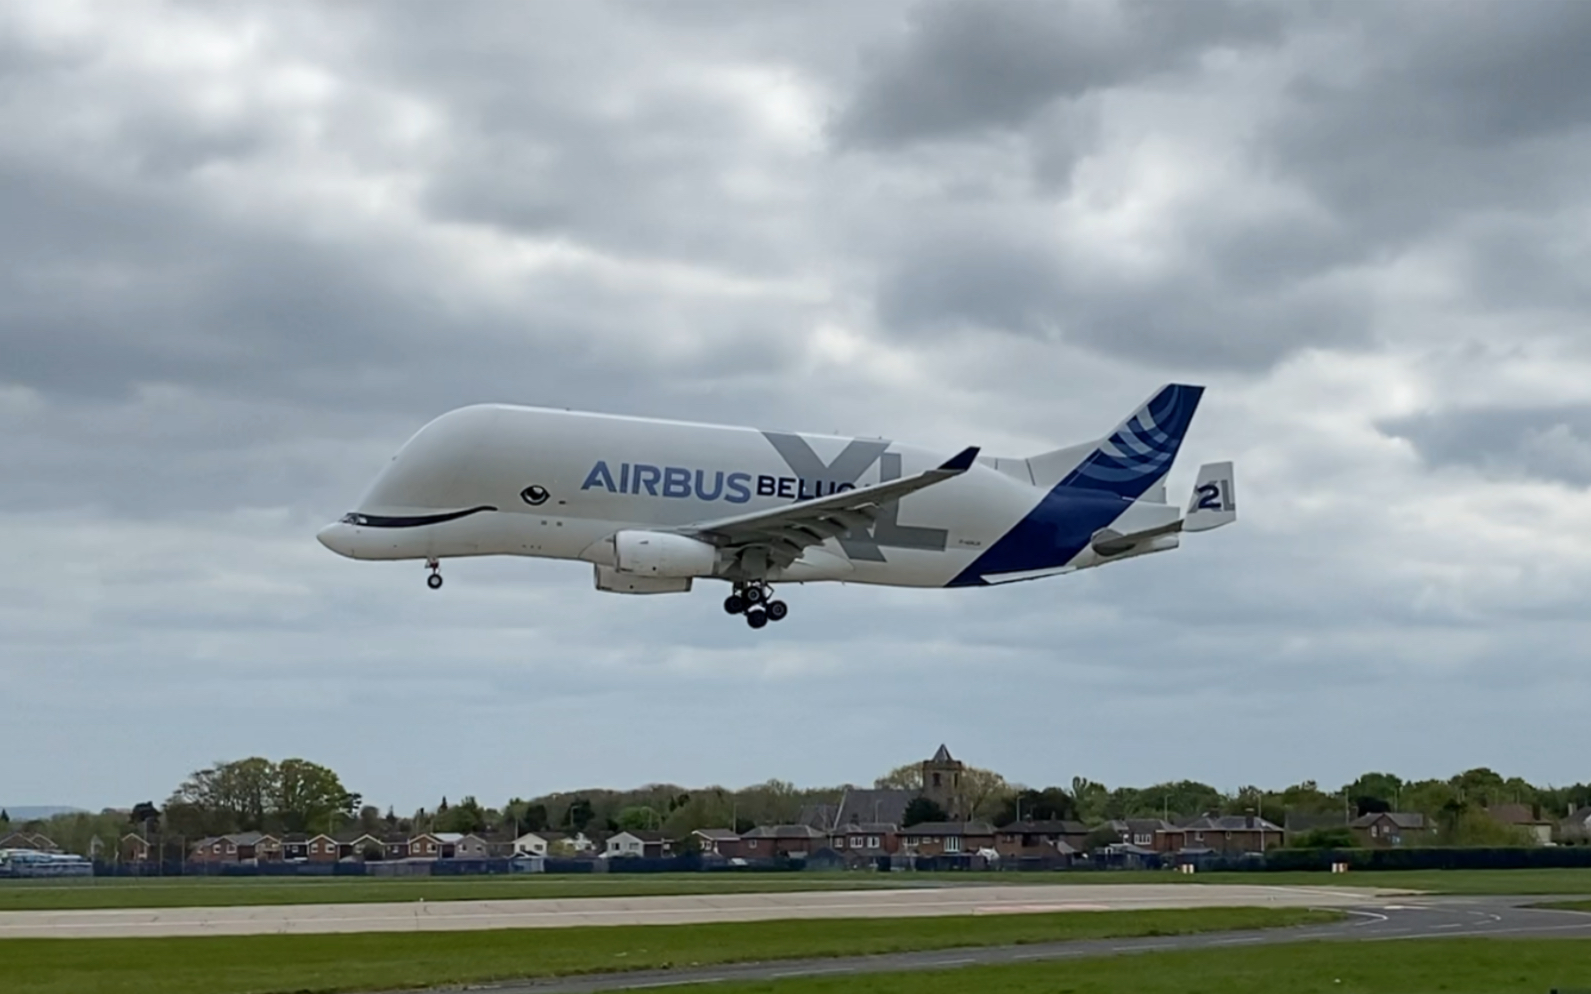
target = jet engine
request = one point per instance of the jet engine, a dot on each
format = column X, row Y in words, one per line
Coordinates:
column 646, row 553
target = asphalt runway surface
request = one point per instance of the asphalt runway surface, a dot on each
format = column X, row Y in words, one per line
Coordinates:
column 439, row 916
column 1385, row 920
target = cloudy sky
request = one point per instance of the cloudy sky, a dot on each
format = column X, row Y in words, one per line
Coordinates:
column 246, row 249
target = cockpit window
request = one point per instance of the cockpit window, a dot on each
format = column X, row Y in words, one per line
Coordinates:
column 353, row 519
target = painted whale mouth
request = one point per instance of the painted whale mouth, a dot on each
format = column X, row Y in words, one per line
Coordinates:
column 409, row 520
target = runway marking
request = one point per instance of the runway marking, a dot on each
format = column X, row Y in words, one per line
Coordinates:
column 1237, row 942
column 815, row 971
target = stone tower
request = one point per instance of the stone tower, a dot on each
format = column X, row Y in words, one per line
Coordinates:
column 942, row 783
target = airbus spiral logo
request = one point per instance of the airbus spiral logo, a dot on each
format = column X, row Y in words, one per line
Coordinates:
column 534, row 495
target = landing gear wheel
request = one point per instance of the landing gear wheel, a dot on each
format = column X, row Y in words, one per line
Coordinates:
column 756, row 617
column 754, row 595
column 777, row 610
column 734, row 604
column 434, row 581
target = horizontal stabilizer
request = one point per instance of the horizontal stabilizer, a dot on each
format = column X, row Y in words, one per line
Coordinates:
column 1214, row 500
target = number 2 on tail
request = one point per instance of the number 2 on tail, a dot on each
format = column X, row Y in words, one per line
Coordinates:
column 1209, row 498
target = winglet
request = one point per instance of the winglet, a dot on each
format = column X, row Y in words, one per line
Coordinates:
column 961, row 461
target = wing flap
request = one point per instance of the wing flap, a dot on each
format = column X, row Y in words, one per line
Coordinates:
column 785, row 532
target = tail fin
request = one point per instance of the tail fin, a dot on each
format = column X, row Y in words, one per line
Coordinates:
column 1214, row 501
column 1139, row 453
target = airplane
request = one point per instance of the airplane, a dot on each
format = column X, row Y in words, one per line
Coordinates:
column 655, row 505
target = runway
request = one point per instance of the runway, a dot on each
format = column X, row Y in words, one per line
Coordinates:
column 421, row 916
column 1383, row 921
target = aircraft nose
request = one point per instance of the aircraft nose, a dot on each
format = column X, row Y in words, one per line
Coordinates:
column 336, row 537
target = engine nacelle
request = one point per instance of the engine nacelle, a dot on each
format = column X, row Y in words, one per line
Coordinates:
column 614, row 582
column 645, row 553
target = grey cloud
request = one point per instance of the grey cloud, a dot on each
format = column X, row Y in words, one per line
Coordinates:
column 1245, row 304
column 964, row 67
column 1439, row 117
column 1551, row 443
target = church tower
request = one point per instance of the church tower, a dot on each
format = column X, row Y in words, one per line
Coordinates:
column 942, row 783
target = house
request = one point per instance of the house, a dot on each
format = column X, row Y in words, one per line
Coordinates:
column 638, row 842
column 134, row 848
column 1389, row 829
column 29, row 840
column 536, row 843
column 462, row 845
column 717, row 842
column 865, row 842
column 300, row 847
column 1525, row 818
column 1577, row 827
column 1056, row 840
column 871, row 806
column 947, row 838
column 1224, row 834
column 770, row 841
column 360, row 845
column 1143, row 833
column 239, row 847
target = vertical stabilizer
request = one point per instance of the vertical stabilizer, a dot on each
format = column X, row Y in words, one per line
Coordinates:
column 1136, row 457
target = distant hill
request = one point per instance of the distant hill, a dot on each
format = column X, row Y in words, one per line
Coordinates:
column 22, row 813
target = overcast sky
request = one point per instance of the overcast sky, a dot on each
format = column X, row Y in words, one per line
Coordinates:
column 246, row 249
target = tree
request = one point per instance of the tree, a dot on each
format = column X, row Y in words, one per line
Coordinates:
column 1049, row 804
column 1089, row 799
column 236, row 795
column 5, row 817
column 579, row 814
column 143, row 813
column 638, row 817
column 907, row 777
column 466, row 816
column 370, row 819
column 1101, row 837
column 920, row 810
column 1382, row 786
column 308, row 797
column 1325, row 838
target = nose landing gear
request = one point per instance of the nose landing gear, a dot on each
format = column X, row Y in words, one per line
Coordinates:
column 434, row 581
column 754, row 600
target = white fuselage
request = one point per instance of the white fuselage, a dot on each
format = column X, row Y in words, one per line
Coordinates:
column 506, row 480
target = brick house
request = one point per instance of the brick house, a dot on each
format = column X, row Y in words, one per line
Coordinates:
column 769, row 841
column 360, row 845
column 462, row 845
column 1225, row 834
column 1386, row 829
column 717, row 842
column 29, row 840
column 1048, row 840
column 1143, row 833
column 302, row 847
column 134, row 848
column 1525, row 818
column 238, row 847
column 947, row 838
column 865, row 842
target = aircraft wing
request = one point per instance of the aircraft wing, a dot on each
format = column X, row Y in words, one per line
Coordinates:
column 785, row 532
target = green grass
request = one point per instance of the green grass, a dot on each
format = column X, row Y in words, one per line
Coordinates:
column 183, row 892
column 1449, row 966
column 123, row 892
column 1566, row 905
column 389, row 961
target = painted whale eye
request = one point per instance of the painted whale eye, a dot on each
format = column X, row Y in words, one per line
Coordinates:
column 534, row 495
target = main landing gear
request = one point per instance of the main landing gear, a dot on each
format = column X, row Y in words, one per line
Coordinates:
column 434, row 581
column 754, row 600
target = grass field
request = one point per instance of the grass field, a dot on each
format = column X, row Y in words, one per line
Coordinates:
column 1449, row 966
column 1567, row 905
column 123, row 892
column 306, row 963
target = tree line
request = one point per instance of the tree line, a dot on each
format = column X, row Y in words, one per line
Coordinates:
column 296, row 795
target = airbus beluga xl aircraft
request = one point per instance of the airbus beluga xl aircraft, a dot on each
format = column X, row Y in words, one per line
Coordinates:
column 655, row 505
